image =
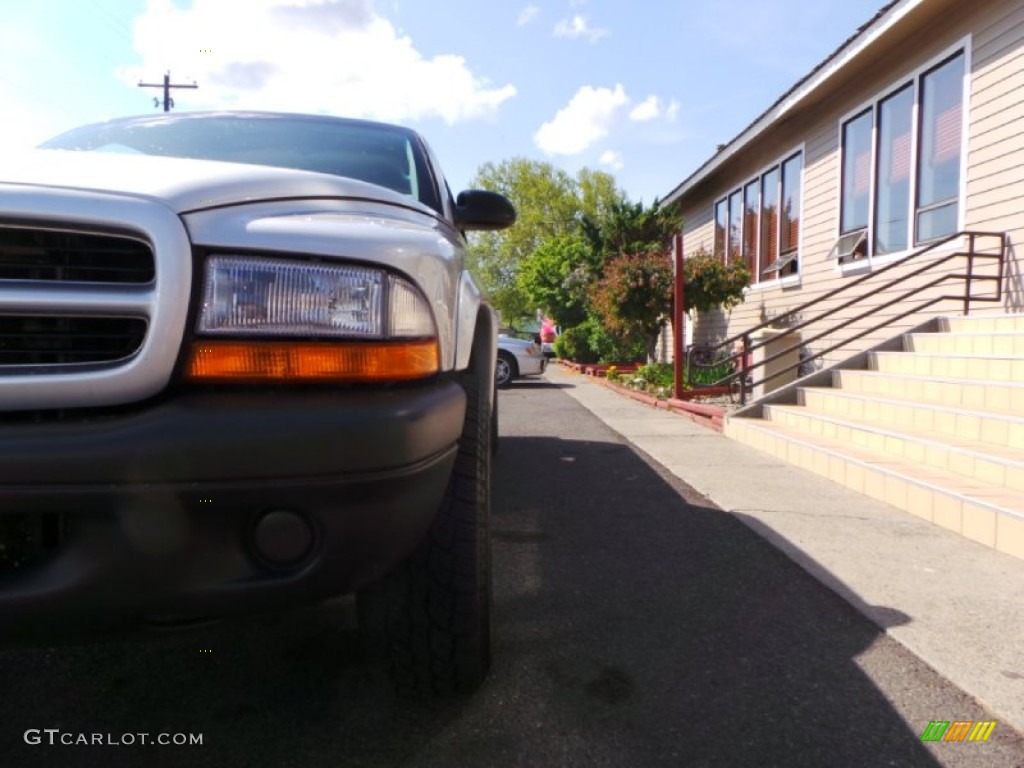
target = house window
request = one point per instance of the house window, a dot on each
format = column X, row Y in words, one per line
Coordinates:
column 789, row 213
column 751, row 199
column 759, row 223
column 902, row 156
column 769, row 251
column 892, row 211
column 938, row 169
column 721, row 221
column 856, row 173
column 735, row 249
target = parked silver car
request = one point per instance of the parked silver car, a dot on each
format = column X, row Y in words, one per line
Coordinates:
column 517, row 358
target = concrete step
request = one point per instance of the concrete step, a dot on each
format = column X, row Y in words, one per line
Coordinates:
column 984, row 512
column 993, row 368
column 971, row 459
column 1006, row 397
column 983, row 323
column 980, row 343
column 998, row 429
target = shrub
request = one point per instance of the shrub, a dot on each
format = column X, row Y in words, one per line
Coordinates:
column 611, row 348
column 574, row 344
column 590, row 342
column 657, row 375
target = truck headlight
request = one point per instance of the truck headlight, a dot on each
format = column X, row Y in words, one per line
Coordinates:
column 292, row 320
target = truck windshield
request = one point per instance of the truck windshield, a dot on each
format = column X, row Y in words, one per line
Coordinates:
column 381, row 154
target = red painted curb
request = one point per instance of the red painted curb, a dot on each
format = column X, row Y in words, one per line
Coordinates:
column 710, row 416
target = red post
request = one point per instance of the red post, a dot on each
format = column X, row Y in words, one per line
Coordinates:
column 678, row 319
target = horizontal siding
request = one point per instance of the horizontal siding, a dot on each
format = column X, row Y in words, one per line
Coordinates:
column 987, row 159
column 1005, row 95
column 999, row 213
column 995, row 172
column 1001, row 136
column 997, row 180
column 998, row 33
column 1008, row 109
column 994, row 79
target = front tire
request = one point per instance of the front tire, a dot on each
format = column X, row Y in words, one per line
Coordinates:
column 433, row 613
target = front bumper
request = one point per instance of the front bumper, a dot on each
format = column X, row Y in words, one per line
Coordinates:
column 160, row 516
column 531, row 365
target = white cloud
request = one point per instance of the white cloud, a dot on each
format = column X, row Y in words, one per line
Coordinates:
column 611, row 159
column 323, row 56
column 587, row 118
column 673, row 110
column 646, row 110
column 577, row 27
column 35, row 124
column 528, row 14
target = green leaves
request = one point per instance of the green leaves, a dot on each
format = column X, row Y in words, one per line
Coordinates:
column 555, row 278
column 550, row 204
column 709, row 283
column 634, row 298
column 583, row 254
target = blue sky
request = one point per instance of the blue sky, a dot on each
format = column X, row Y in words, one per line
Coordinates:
column 644, row 91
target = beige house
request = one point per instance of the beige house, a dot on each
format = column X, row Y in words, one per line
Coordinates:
column 888, row 185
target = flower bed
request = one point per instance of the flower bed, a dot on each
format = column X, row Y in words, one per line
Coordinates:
column 712, row 416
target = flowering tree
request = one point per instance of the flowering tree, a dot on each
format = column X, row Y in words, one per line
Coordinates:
column 634, row 297
column 709, row 283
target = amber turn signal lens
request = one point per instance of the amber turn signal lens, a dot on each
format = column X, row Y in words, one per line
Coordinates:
column 231, row 361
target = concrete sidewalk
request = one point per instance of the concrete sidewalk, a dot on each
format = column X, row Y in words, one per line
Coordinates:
column 955, row 604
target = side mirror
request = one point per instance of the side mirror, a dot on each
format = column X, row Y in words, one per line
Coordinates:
column 483, row 210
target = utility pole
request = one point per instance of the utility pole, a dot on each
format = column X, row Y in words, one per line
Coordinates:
column 167, row 85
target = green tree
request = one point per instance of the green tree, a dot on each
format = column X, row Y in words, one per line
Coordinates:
column 555, row 279
column 626, row 227
column 597, row 193
column 549, row 204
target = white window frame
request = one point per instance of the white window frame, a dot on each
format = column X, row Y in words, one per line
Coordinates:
column 789, row 280
column 912, row 78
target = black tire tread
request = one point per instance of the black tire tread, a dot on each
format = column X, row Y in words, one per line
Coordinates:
column 433, row 612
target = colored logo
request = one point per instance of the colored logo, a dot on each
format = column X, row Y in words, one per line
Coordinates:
column 958, row 730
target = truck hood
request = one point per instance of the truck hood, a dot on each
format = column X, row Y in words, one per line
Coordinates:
column 184, row 185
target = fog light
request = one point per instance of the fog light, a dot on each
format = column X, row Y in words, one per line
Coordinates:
column 282, row 537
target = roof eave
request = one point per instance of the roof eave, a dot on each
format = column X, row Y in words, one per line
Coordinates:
column 888, row 17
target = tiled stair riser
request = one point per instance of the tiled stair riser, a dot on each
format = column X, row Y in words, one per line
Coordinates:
column 937, row 430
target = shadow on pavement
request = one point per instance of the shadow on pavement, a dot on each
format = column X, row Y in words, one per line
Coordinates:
column 528, row 384
column 635, row 626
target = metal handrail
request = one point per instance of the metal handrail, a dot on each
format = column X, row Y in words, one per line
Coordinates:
column 741, row 359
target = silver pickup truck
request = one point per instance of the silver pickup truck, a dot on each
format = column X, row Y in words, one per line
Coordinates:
column 243, row 367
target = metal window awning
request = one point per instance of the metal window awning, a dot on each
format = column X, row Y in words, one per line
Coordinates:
column 783, row 261
column 849, row 244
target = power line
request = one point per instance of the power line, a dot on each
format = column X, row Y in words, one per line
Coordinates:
column 113, row 23
column 166, row 85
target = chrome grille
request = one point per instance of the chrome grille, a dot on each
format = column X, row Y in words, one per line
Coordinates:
column 54, row 255
column 94, row 293
column 35, row 341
